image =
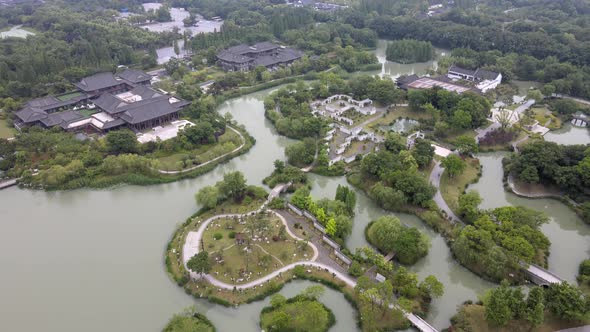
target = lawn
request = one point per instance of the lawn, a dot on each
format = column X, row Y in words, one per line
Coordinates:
column 176, row 161
column 239, row 263
column 474, row 316
column 452, row 188
column 86, row 112
column 5, row 130
column 543, row 115
column 69, row 96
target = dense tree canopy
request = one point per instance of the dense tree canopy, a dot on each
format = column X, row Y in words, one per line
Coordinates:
column 389, row 235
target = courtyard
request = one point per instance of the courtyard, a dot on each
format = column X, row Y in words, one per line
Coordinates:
column 163, row 132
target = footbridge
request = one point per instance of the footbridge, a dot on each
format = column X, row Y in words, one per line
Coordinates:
column 540, row 276
column 420, row 323
column 278, row 189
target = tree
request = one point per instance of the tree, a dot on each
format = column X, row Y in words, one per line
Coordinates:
column 277, row 300
column 233, row 185
column 432, row 286
column 176, row 48
column 497, row 307
column 469, row 205
column 279, row 164
column 529, row 174
column 313, row 292
column 453, row 164
column 121, row 141
column 466, row 144
column 355, row 269
column 208, row 197
column 503, row 118
column 535, row 306
column 331, row 227
column 536, row 95
column 199, row 263
column 423, row 152
column 567, row 301
column 461, row 119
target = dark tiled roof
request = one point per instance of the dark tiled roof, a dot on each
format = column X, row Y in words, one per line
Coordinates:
column 30, row 114
column 284, row 55
column 113, row 105
column 228, row 56
column 134, row 76
column 485, row 74
column 113, row 124
column 109, row 103
column 59, row 118
column 256, row 48
column 43, row 102
column 97, row 82
column 460, row 70
column 141, row 112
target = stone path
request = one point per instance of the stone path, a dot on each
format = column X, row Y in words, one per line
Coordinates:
column 435, row 175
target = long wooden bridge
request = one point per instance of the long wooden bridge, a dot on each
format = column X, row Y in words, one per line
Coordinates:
column 8, row 183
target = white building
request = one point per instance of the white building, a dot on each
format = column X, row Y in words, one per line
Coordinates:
column 485, row 79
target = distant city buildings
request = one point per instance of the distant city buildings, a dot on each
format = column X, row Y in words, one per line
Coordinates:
column 104, row 102
column 317, row 5
column 247, row 57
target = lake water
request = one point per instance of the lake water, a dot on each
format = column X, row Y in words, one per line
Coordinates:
column 92, row 260
column 16, row 32
column 395, row 69
column 166, row 53
column 179, row 14
column 569, row 235
column 569, row 135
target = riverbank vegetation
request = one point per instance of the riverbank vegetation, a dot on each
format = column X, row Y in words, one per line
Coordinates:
column 504, row 309
column 400, row 288
column 566, row 167
column 452, row 187
column 409, row 51
column 189, row 321
column 303, row 312
column 584, row 275
column 496, row 241
column 53, row 159
column 283, row 173
column 389, row 235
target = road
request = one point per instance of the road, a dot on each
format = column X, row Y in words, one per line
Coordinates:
column 435, row 175
column 212, row 160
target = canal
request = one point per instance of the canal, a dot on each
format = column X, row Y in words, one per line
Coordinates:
column 92, row 260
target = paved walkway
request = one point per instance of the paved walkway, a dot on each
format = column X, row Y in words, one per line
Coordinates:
column 435, row 175
column 212, row 160
column 315, row 238
column 192, row 246
column 544, row 274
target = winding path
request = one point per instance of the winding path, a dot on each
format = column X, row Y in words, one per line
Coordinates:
column 161, row 171
column 435, row 176
column 192, row 244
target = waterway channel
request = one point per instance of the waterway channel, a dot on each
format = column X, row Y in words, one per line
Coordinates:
column 92, row 260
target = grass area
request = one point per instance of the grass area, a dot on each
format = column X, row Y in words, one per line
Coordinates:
column 356, row 146
column 453, row 134
column 543, row 115
column 68, row 96
column 183, row 159
column 87, row 112
column 258, row 255
column 452, row 188
column 6, row 131
column 472, row 318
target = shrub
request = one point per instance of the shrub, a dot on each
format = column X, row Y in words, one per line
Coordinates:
column 218, row 236
column 232, row 235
